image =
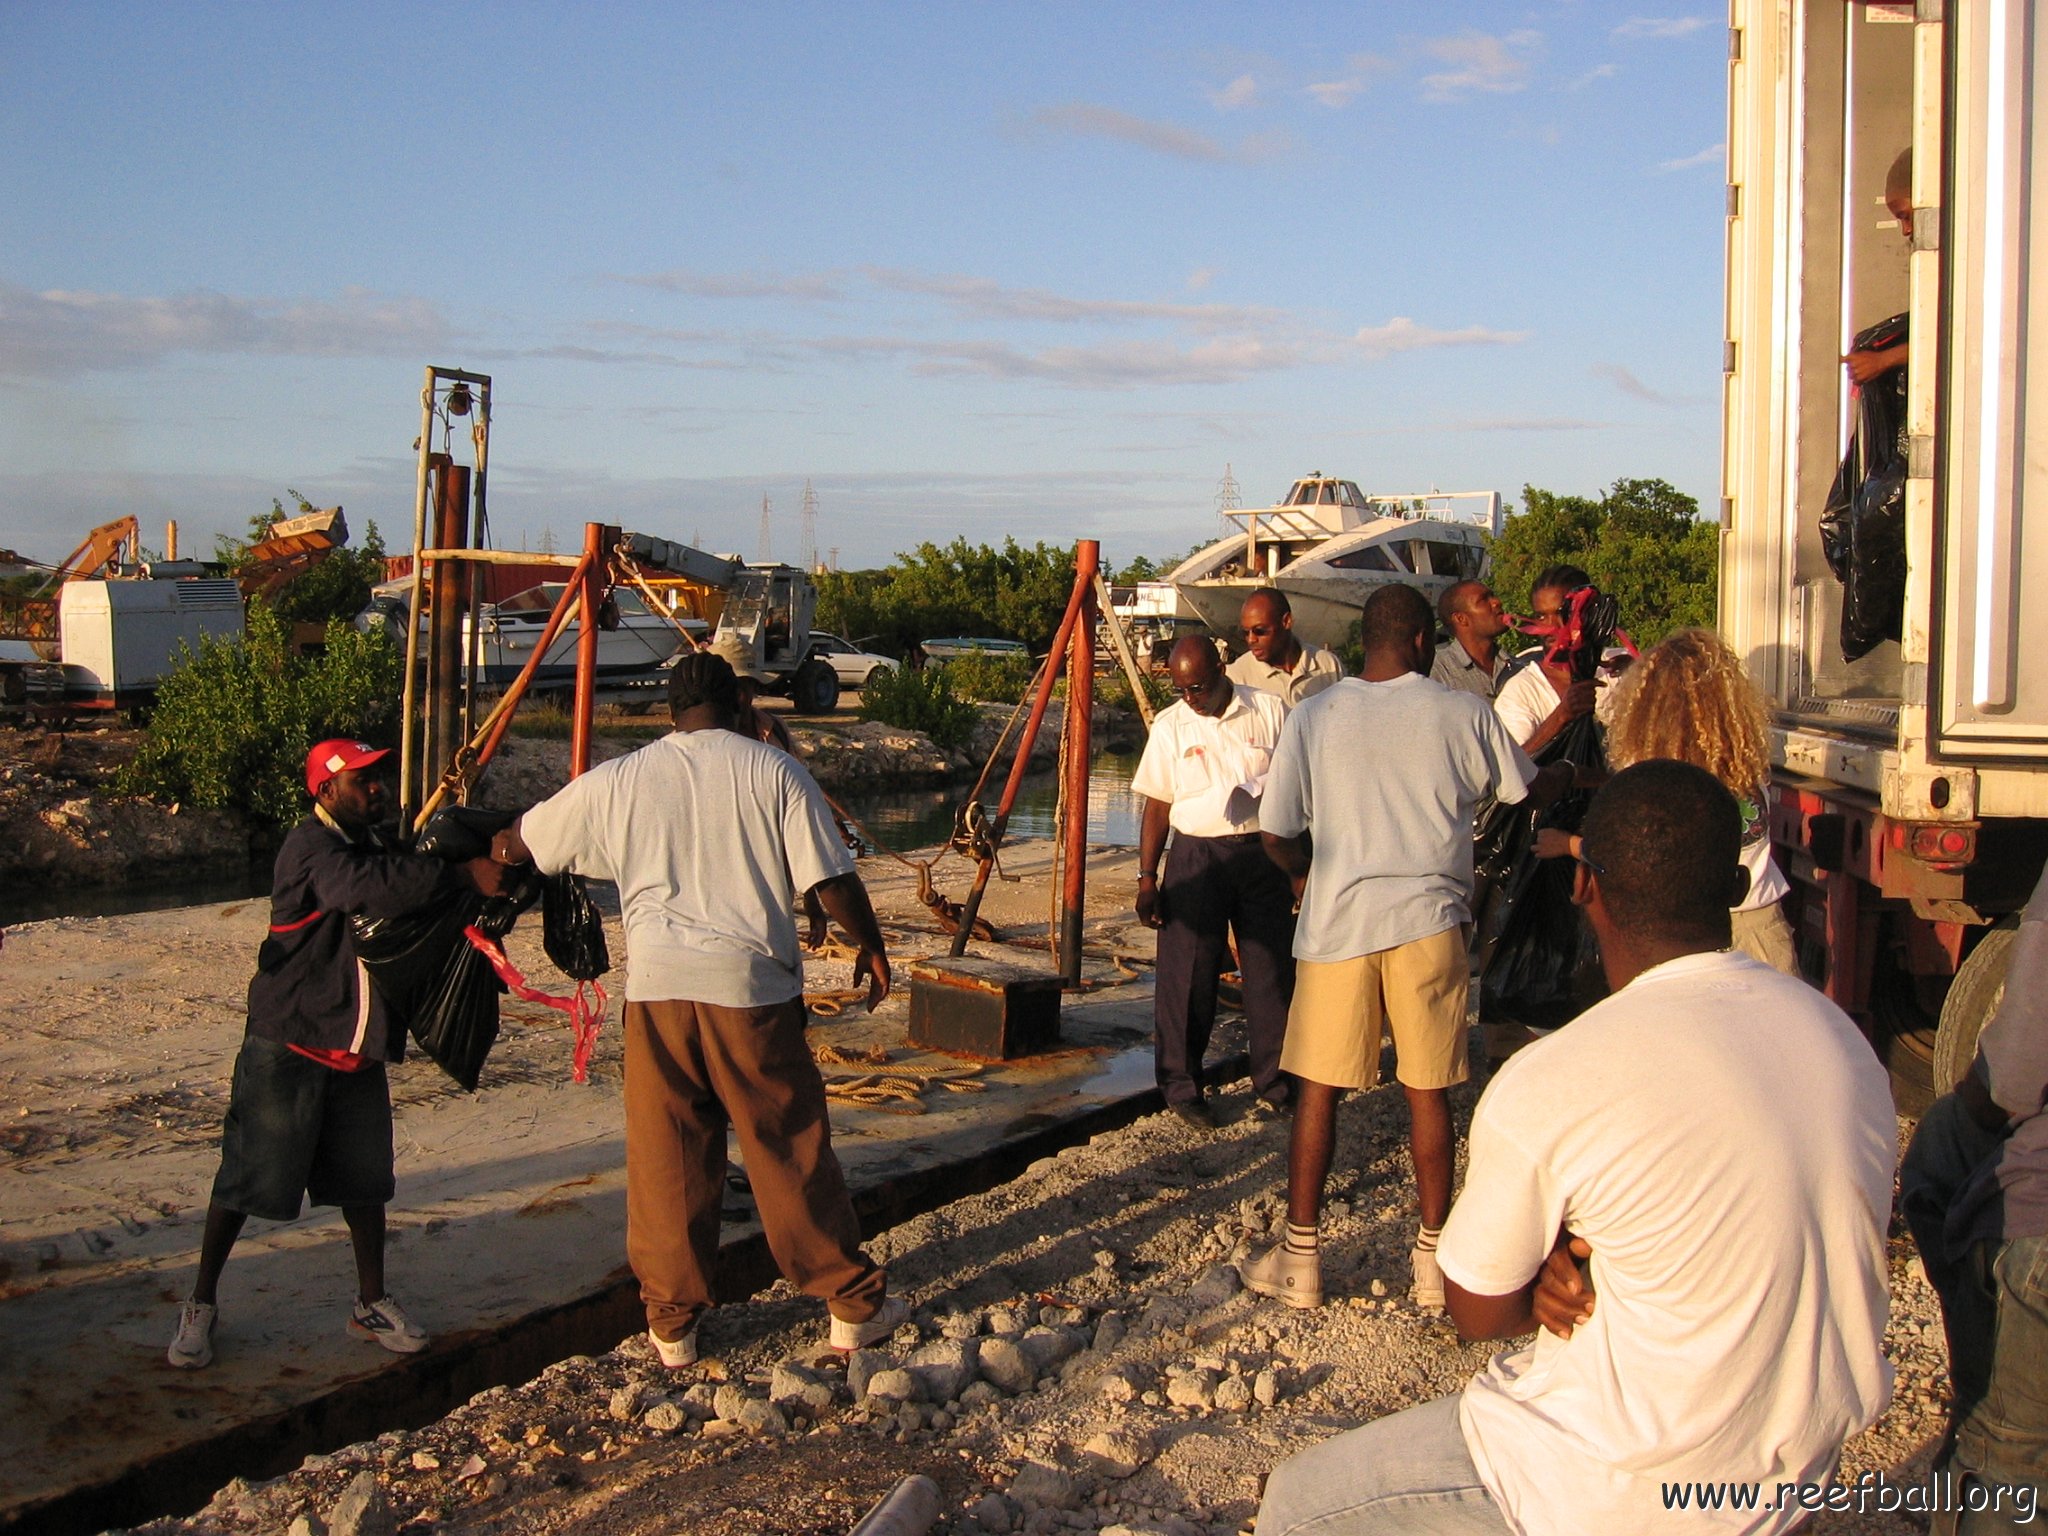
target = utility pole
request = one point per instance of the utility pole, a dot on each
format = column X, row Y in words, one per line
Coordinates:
column 832, row 563
column 1227, row 498
column 807, row 523
column 767, row 552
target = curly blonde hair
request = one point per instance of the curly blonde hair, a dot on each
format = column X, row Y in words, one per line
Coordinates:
column 1689, row 699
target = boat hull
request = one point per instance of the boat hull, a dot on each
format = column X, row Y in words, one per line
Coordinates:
column 1325, row 606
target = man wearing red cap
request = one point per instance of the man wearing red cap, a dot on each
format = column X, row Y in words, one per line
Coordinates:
column 309, row 1113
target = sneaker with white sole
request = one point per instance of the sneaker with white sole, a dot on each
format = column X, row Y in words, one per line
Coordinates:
column 675, row 1354
column 1428, row 1287
column 192, row 1349
column 891, row 1315
column 1293, row 1278
column 384, row 1322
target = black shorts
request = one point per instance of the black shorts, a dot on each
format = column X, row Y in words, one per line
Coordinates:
column 297, row 1128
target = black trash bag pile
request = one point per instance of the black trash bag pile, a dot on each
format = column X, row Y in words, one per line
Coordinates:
column 570, row 929
column 1863, row 526
column 1542, row 965
column 426, row 971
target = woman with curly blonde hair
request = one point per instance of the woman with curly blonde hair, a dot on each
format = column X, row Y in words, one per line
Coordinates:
column 1690, row 699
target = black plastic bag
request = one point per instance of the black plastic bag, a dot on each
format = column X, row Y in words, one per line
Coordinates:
column 1863, row 525
column 1541, row 964
column 426, row 970
column 571, row 931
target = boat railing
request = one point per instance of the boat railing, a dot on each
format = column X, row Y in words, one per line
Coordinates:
column 1482, row 509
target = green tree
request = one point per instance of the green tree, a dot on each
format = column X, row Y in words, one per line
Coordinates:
column 233, row 721
column 1012, row 591
column 1143, row 568
column 1642, row 542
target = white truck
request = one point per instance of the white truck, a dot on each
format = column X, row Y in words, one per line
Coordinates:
column 1911, row 785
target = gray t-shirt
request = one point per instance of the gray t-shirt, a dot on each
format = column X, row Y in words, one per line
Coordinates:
column 1387, row 776
column 708, row 836
column 1455, row 668
column 2007, row 1196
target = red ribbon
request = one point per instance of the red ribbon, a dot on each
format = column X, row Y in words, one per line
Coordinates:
column 584, row 1019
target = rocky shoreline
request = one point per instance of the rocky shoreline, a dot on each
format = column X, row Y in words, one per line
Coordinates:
column 62, row 824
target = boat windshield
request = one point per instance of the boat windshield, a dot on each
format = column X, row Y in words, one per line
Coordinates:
column 542, row 599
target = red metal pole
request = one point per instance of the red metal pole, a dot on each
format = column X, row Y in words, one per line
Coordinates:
column 1080, row 714
column 586, row 650
column 1054, row 661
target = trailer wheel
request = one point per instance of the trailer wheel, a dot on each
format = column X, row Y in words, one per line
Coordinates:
column 1972, row 998
column 815, row 688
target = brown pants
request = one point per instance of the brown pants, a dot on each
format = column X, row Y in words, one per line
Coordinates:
column 690, row 1069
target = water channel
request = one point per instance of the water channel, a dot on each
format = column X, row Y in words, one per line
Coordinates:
column 902, row 819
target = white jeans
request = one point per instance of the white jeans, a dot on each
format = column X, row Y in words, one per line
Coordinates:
column 1408, row 1473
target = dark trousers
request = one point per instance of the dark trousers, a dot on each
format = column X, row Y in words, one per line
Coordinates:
column 1994, row 1308
column 1212, row 886
column 692, row 1069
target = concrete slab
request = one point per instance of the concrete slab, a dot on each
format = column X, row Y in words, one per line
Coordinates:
column 507, row 1237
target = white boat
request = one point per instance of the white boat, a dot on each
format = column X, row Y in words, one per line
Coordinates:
column 633, row 651
column 1329, row 547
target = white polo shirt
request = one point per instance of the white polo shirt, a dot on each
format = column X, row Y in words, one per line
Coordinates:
column 1723, row 1138
column 1194, row 763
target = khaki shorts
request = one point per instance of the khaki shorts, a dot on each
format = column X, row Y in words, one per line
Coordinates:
column 1340, row 1006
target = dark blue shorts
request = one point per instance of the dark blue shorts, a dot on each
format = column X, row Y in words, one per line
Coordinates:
column 296, row 1128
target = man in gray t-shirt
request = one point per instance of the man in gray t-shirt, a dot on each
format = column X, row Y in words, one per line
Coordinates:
column 1385, row 771
column 1974, row 1190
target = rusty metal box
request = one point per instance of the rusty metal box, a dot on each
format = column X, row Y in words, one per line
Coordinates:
column 986, row 1008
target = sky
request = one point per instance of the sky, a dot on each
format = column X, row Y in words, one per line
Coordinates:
column 974, row 269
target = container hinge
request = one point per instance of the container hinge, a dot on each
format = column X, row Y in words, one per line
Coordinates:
column 1735, row 42
column 1727, row 357
column 1727, row 511
column 1928, row 11
column 1920, row 456
column 1734, row 201
column 1926, row 229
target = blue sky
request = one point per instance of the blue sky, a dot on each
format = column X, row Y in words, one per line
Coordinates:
column 969, row 269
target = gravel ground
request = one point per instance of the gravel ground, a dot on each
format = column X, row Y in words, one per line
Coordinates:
column 1082, row 1358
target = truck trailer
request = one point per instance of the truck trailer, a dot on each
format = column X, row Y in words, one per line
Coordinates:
column 1910, row 794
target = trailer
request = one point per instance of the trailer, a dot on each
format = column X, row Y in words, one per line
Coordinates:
column 1911, row 784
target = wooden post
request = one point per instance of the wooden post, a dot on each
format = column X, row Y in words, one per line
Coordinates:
column 1080, row 717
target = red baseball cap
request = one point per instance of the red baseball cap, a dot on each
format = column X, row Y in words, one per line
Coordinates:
column 338, row 756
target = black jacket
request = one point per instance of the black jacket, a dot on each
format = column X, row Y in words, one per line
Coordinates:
column 309, row 988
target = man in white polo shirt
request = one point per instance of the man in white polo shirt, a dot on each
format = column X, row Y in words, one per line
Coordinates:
column 1201, row 775
column 1719, row 1139
column 1385, row 770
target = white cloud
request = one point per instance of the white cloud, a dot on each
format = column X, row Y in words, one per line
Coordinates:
column 1597, row 72
column 1241, row 92
column 1358, row 74
column 60, row 333
column 1625, row 381
column 1713, row 154
column 986, row 298
column 1401, row 334
column 1200, row 279
column 1660, row 26
column 740, row 285
column 1479, row 61
column 1091, row 120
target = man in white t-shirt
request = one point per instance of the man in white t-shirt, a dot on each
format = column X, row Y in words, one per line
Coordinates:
column 1385, row 771
column 1718, row 1139
column 710, row 836
column 1201, row 776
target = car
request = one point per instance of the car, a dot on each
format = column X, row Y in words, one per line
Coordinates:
column 854, row 665
column 960, row 645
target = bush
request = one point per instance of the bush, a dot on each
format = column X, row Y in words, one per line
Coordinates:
column 992, row 677
column 920, row 701
column 233, row 722
column 1113, row 691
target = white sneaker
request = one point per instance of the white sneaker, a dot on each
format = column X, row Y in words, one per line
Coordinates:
column 384, row 1322
column 192, row 1349
column 1428, row 1287
column 1295, row 1278
column 675, row 1354
column 891, row 1315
